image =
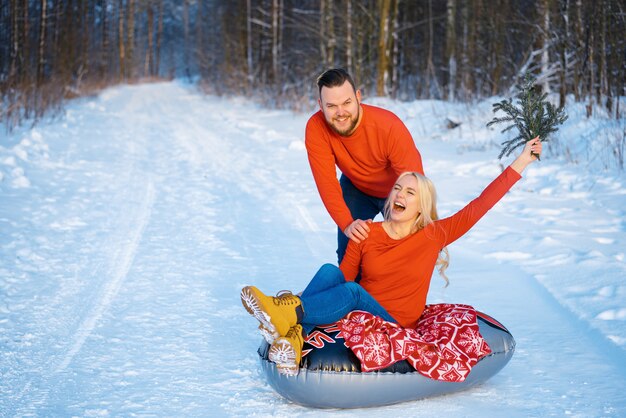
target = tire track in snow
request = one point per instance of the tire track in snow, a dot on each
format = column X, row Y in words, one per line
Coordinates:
column 121, row 249
column 122, row 261
column 125, row 257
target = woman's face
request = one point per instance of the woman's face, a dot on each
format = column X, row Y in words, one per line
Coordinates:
column 404, row 200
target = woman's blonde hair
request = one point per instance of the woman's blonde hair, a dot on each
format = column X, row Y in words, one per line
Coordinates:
column 427, row 214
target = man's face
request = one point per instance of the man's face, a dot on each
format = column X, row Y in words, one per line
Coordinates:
column 341, row 108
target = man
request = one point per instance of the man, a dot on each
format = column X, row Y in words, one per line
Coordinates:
column 371, row 146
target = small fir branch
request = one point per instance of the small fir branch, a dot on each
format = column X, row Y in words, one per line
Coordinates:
column 533, row 116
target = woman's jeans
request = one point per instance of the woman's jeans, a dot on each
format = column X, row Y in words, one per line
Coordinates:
column 328, row 298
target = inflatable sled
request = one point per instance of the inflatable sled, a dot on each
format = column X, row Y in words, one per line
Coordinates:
column 330, row 374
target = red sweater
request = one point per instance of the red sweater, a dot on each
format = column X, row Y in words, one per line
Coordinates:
column 379, row 150
column 397, row 273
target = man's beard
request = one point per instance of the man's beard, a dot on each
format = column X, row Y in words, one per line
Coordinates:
column 350, row 129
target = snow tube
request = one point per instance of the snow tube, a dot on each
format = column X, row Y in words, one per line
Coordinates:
column 330, row 374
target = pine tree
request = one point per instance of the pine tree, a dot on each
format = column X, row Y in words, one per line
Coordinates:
column 533, row 117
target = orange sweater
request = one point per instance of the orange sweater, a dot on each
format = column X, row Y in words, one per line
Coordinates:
column 380, row 149
column 397, row 273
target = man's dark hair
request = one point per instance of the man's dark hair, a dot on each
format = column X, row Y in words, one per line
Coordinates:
column 334, row 77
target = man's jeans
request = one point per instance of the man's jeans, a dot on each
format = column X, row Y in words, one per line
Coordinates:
column 361, row 205
column 328, row 298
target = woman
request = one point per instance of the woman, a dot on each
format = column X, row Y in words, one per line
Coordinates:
column 396, row 262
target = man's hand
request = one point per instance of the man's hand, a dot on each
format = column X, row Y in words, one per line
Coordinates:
column 358, row 230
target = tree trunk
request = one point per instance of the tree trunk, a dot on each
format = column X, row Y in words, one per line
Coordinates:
column 563, row 51
column 104, row 52
column 121, row 40
column 544, row 15
column 330, row 35
column 159, row 37
column 428, row 40
column 201, row 47
column 87, row 26
column 602, row 70
column 15, row 44
column 451, row 48
column 497, row 45
column 470, row 51
column 149, row 60
column 383, row 47
column 349, row 35
column 580, row 53
column 616, row 59
column 362, row 32
column 130, row 38
column 25, row 50
column 249, row 43
column 590, row 53
column 186, row 45
column 275, row 40
column 41, row 59
column 464, row 73
column 395, row 48
column 322, row 32
column 431, row 77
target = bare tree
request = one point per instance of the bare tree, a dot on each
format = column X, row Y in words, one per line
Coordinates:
column 41, row 59
column 451, row 48
column 121, row 40
column 468, row 49
column 543, row 41
column 408, row 49
column 130, row 38
column 384, row 7
column 249, row 42
column 159, row 40
column 591, row 65
column 327, row 32
column 276, row 41
column 395, row 54
column 186, row 44
column 431, row 76
column 563, row 49
column 349, row 34
column 148, row 67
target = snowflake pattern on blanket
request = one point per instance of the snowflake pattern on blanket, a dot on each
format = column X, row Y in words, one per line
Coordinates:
column 445, row 345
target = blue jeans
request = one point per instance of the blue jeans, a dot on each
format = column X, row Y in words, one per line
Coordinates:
column 328, row 298
column 361, row 205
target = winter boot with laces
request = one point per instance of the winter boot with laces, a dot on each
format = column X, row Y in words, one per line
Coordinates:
column 269, row 336
column 276, row 314
column 286, row 351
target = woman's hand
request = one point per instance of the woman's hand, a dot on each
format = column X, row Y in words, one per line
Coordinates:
column 531, row 151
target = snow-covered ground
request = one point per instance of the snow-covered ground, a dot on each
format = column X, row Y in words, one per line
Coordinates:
column 129, row 225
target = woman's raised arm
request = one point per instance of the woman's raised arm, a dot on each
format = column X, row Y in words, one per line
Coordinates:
column 528, row 155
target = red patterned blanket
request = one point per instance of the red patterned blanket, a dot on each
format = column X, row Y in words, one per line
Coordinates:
column 445, row 345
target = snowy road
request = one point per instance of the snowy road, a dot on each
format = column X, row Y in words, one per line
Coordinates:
column 129, row 225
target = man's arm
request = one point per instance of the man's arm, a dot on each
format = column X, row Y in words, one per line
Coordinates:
column 403, row 154
column 322, row 162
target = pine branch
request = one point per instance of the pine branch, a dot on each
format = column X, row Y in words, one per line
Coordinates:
column 533, row 116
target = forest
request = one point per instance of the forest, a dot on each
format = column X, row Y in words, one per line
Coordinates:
column 272, row 50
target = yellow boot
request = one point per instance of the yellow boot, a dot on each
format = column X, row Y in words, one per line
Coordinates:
column 276, row 314
column 286, row 351
column 268, row 335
